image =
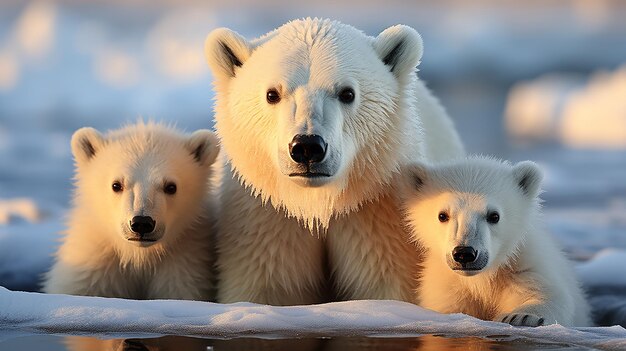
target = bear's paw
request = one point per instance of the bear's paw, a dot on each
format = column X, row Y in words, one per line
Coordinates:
column 521, row 319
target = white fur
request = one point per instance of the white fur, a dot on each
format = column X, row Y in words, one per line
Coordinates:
column 96, row 257
column 267, row 253
column 526, row 277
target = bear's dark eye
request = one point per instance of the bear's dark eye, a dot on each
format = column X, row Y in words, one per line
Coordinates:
column 272, row 96
column 170, row 188
column 443, row 217
column 117, row 186
column 346, row 95
column 493, row 217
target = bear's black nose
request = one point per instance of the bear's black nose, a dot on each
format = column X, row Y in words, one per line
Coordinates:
column 142, row 224
column 464, row 254
column 307, row 148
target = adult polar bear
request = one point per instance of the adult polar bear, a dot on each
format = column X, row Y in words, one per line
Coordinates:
column 315, row 120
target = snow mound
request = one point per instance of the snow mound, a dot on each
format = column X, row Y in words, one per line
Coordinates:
column 34, row 312
column 605, row 282
column 533, row 107
column 595, row 117
column 564, row 109
column 27, row 242
column 18, row 208
column 605, row 269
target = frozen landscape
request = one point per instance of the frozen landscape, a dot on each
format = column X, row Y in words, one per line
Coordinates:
column 550, row 90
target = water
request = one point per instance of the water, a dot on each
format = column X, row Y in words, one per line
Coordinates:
column 180, row 343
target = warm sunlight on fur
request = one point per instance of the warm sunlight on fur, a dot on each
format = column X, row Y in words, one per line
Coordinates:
column 315, row 119
column 488, row 255
column 142, row 215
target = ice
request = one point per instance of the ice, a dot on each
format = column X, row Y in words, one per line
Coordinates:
column 28, row 240
column 606, row 269
column 33, row 312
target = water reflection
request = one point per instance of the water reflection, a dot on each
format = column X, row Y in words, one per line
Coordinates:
column 166, row 343
column 179, row 343
column 423, row 343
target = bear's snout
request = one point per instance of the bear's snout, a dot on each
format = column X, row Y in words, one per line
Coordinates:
column 142, row 225
column 467, row 260
column 307, row 149
column 464, row 254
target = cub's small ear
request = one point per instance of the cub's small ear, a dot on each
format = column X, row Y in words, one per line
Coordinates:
column 415, row 176
column 225, row 50
column 400, row 48
column 528, row 177
column 86, row 143
column 203, row 146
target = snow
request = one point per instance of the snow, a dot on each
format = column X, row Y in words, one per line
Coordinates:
column 606, row 269
column 566, row 109
column 27, row 242
column 24, row 208
column 36, row 313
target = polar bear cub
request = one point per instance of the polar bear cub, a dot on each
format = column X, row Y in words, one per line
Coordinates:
column 141, row 219
column 487, row 255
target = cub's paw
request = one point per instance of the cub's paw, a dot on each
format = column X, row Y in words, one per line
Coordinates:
column 521, row 319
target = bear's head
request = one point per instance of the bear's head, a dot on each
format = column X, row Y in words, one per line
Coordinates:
column 313, row 115
column 473, row 214
column 144, row 184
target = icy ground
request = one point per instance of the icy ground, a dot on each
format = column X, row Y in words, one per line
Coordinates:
column 33, row 312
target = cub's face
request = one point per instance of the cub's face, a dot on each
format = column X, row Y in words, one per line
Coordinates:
column 304, row 108
column 143, row 186
column 473, row 215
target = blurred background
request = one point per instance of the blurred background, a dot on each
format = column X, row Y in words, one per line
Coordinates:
column 540, row 80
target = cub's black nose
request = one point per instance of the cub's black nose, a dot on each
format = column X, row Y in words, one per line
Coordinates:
column 307, row 148
column 464, row 254
column 142, row 224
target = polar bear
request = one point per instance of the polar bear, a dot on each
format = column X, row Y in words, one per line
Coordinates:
column 487, row 254
column 142, row 217
column 315, row 119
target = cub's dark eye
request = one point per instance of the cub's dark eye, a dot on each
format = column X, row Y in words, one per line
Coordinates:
column 443, row 217
column 170, row 188
column 117, row 187
column 493, row 217
column 346, row 95
column 272, row 96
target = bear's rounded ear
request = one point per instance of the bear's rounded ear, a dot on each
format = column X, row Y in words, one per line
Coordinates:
column 415, row 175
column 203, row 145
column 225, row 50
column 528, row 177
column 86, row 143
column 400, row 48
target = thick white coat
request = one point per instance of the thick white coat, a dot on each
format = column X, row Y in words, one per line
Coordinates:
column 526, row 279
column 96, row 257
column 267, row 253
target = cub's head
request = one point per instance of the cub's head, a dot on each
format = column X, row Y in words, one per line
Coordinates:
column 472, row 213
column 143, row 184
column 312, row 115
